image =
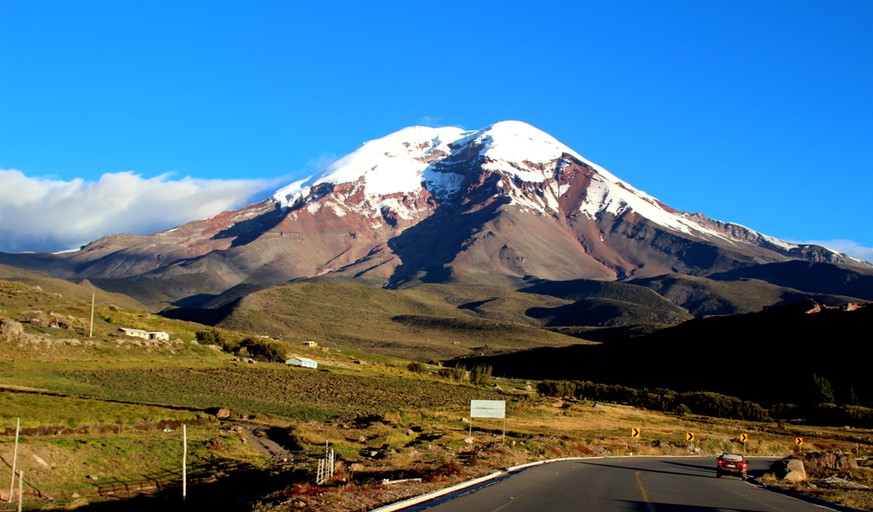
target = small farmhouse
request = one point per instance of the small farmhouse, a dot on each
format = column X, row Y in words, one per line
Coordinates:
column 301, row 361
column 310, row 344
column 146, row 335
column 136, row 333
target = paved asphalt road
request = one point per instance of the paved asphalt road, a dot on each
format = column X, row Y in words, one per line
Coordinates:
column 632, row 484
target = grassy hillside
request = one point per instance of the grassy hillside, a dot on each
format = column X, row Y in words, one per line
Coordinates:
column 852, row 281
column 422, row 323
column 102, row 416
column 703, row 296
column 82, row 291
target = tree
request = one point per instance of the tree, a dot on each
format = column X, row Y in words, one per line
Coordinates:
column 820, row 391
column 211, row 337
column 852, row 397
column 264, row 350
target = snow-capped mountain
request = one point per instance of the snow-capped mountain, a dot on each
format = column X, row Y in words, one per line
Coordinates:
column 418, row 160
column 500, row 205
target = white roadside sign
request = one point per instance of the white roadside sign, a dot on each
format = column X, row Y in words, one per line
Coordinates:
column 488, row 408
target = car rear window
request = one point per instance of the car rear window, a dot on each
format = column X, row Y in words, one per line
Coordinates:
column 732, row 456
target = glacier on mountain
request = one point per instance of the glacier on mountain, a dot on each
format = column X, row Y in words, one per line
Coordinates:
column 406, row 162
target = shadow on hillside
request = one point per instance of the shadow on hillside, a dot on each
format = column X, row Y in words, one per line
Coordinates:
column 418, row 249
column 236, row 488
column 777, row 351
column 247, row 231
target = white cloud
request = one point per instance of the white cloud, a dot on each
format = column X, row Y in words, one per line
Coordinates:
column 46, row 215
column 849, row 247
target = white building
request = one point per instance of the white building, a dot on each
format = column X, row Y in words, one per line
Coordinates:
column 301, row 361
column 146, row 335
column 136, row 333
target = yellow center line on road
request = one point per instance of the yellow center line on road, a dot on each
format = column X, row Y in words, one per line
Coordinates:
column 643, row 492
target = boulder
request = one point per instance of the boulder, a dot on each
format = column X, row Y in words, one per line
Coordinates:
column 9, row 327
column 221, row 413
column 38, row 318
column 790, row 470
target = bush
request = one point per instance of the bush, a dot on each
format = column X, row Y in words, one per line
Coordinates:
column 264, row 350
column 416, row 367
column 480, row 375
column 212, row 337
column 456, row 373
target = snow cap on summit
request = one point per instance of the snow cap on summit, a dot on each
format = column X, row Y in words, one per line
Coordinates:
column 397, row 162
column 516, row 141
column 394, row 163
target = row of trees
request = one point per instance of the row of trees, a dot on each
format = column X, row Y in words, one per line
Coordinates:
column 257, row 348
column 480, row 375
column 708, row 404
column 666, row 400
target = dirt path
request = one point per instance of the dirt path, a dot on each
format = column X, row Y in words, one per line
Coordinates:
column 258, row 437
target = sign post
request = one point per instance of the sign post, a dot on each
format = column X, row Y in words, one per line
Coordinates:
column 635, row 433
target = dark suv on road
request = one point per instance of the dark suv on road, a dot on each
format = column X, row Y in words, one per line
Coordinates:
column 731, row 464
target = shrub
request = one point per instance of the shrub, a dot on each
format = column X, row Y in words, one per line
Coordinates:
column 416, row 367
column 263, row 350
column 455, row 373
column 211, row 337
column 480, row 375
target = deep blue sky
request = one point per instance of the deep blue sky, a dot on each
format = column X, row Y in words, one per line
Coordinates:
column 756, row 112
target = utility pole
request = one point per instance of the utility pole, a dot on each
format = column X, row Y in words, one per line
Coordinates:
column 91, row 331
column 14, row 459
column 184, row 462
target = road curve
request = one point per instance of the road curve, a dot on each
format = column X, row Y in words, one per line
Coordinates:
column 616, row 484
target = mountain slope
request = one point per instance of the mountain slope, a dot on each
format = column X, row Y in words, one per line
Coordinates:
column 718, row 295
column 505, row 205
column 809, row 276
column 422, row 323
column 83, row 291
